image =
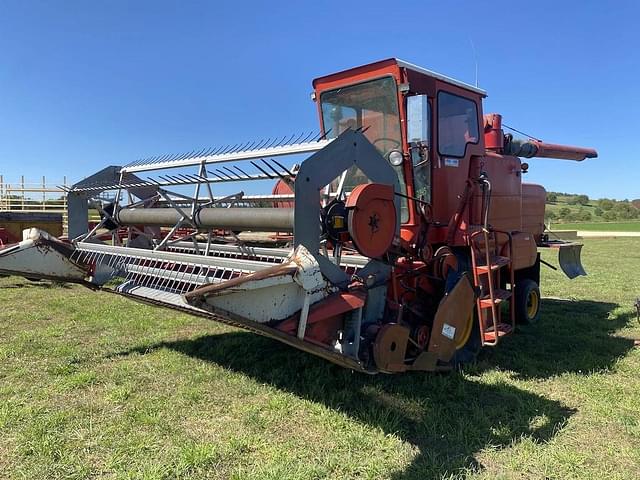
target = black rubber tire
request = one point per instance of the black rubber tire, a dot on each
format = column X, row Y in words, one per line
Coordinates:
column 524, row 291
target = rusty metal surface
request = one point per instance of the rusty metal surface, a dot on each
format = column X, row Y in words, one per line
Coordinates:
column 390, row 347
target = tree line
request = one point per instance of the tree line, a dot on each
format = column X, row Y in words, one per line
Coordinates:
column 606, row 209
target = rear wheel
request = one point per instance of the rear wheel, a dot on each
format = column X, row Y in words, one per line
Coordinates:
column 527, row 301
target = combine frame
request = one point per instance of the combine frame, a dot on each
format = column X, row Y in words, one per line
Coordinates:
column 391, row 247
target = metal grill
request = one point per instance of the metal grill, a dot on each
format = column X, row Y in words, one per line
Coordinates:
column 161, row 270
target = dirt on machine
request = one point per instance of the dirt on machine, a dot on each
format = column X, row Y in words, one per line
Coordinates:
column 399, row 237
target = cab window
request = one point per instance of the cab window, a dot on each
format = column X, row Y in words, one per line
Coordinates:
column 457, row 124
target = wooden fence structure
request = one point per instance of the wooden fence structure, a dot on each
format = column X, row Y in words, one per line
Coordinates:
column 34, row 197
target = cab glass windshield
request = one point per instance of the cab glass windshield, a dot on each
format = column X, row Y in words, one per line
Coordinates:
column 372, row 106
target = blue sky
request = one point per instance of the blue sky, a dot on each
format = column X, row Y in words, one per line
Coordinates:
column 89, row 84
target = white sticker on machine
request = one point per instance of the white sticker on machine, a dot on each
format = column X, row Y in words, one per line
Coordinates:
column 449, row 331
column 451, row 162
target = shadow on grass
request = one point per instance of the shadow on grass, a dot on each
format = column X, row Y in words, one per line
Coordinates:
column 449, row 418
column 571, row 337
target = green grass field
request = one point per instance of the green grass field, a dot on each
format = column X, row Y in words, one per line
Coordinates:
column 599, row 226
column 95, row 386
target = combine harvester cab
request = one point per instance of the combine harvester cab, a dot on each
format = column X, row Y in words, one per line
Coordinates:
column 389, row 242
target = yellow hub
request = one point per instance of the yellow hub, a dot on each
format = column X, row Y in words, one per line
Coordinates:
column 466, row 333
column 533, row 302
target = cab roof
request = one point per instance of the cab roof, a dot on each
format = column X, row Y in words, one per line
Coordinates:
column 409, row 66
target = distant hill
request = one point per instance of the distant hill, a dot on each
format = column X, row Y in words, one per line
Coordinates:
column 564, row 207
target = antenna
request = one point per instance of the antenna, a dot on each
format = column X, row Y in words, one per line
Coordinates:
column 475, row 57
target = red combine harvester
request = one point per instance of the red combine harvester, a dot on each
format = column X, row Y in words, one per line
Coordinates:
column 406, row 240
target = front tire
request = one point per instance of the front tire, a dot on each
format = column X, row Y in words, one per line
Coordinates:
column 527, row 298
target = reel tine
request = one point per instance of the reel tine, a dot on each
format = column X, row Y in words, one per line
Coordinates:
column 208, row 152
column 226, row 150
column 288, row 142
column 175, row 179
column 258, row 145
column 282, row 177
column 186, row 177
column 263, row 171
column 233, row 149
column 272, row 143
column 324, row 135
column 306, row 139
column 244, row 147
column 247, row 176
column 183, row 156
column 282, row 167
column 216, row 176
column 224, row 176
column 231, row 171
column 217, row 151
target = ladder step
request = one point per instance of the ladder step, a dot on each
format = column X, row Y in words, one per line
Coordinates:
column 496, row 263
column 503, row 330
column 499, row 296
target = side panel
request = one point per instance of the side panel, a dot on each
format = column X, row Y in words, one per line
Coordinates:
column 525, row 251
column 505, row 212
column 533, row 202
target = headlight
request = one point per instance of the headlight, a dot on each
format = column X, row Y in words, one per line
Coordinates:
column 395, row 158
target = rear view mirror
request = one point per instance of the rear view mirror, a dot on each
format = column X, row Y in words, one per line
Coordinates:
column 418, row 117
